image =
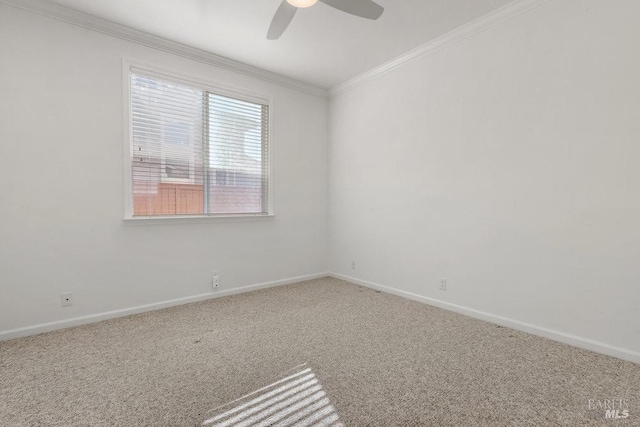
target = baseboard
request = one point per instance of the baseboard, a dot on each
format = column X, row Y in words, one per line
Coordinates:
column 573, row 340
column 92, row 318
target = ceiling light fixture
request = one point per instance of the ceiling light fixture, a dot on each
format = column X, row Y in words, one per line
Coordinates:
column 302, row 3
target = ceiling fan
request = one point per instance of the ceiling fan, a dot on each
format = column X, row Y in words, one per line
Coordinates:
column 364, row 8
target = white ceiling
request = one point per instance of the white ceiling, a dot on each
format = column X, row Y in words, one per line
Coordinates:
column 322, row 46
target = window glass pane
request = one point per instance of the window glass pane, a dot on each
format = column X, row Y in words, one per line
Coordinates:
column 237, row 156
column 167, row 160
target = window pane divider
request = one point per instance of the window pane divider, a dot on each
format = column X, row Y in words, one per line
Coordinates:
column 206, row 152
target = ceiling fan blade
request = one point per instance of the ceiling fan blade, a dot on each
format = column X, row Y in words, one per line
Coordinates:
column 281, row 20
column 362, row 8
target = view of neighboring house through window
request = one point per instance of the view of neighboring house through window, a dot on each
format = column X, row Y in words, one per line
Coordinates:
column 194, row 152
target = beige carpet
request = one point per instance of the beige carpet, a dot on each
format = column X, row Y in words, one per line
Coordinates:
column 323, row 351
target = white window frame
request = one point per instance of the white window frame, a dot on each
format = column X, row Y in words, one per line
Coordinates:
column 129, row 66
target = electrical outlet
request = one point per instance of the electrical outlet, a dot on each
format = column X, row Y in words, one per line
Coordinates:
column 215, row 280
column 443, row 284
column 67, row 299
column 353, row 265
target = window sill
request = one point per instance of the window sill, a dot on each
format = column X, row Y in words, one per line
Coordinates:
column 195, row 219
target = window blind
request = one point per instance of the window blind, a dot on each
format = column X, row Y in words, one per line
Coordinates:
column 194, row 152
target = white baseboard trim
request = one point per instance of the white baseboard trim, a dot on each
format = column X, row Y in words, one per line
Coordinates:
column 573, row 340
column 92, row 318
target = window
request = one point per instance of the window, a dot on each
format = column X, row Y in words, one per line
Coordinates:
column 195, row 151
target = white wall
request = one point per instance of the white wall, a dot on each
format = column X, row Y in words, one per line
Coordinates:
column 61, row 184
column 507, row 163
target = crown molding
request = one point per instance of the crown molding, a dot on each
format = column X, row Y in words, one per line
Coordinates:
column 85, row 20
column 466, row 31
